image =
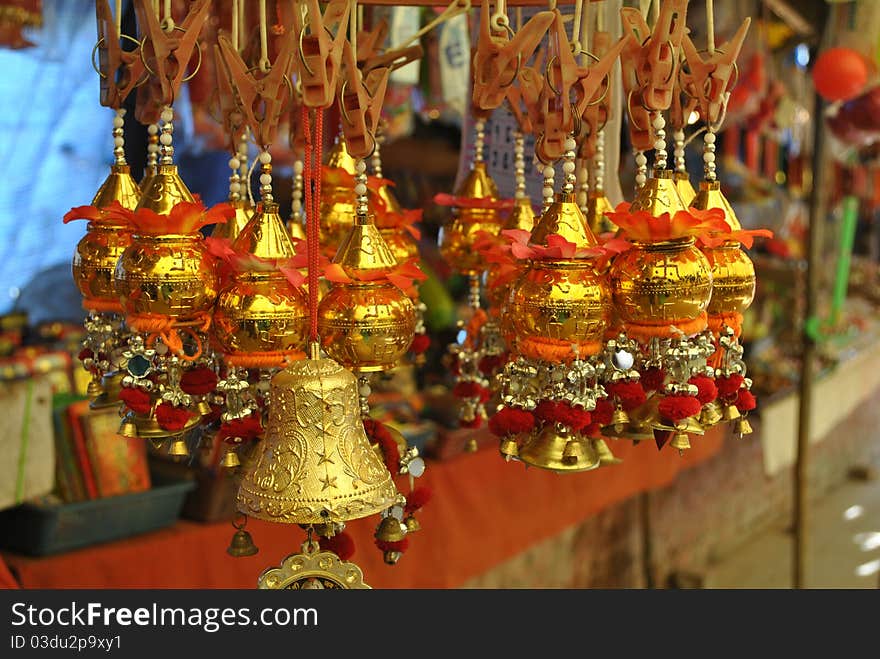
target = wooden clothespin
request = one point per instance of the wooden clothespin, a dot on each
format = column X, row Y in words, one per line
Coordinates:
column 369, row 42
column 319, row 56
column 520, row 113
column 531, row 81
column 709, row 77
column 360, row 104
column 594, row 97
column 556, row 108
column 166, row 54
column 228, row 105
column 498, row 57
column 262, row 100
column 120, row 71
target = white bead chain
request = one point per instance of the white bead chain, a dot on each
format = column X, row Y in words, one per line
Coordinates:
column 118, row 138
column 152, row 147
column 243, row 168
column 376, row 159
column 583, row 179
column 165, row 138
column 599, row 163
column 660, row 154
column 479, row 142
column 297, row 193
column 549, row 184
column 266, row 177
column 360, row 189
column 641, row 169
column 678, row 151
column 709, row 155
column 568, row 165
column 234, row 179
column 519, row 165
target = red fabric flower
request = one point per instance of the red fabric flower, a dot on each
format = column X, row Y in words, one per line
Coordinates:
column 420, row 343
column 652, row 379
column 630, row 395
column 198, row 381
column 511, row 421
column 137, row 400
column 678, row 408
column 417, row 499
column 340, row 544
column 728, row 386
column 377, row 433
column 706, row 389
column 171, row 418
column 745, row 400
column 603, row 412
column 238, row 431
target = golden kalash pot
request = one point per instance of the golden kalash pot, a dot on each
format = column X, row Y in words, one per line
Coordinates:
column 230, row 229
column 683, row 186
column 366, row 324
column 557, row 304
column 597, row 205
column 166, row 274
column 460, row 235
column 94, row 260
column 261, row 311
column 401, row 243
column 521, row 217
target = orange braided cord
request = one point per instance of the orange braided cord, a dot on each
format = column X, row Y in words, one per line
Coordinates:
column 555, row 350
column 646, row 331
column 274, row 359
column 98, row 304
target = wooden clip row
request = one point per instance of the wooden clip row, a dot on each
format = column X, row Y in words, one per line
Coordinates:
column 120, row 71
column 319, row 55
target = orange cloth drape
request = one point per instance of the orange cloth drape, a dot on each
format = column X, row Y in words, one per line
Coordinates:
column 483, row 512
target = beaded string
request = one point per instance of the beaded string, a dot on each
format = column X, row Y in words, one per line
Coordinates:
column 118, row 138
column 479, row 141
column 165, row 137
column 152, row 147
column 599, row 164
column 583, row 184
column 568, row 165
column 678, row 151
column 660, row 154
column 709, row 154
column 360, row 191
column 519, row 165
column 641, row 169
column 549, row 184
column 296, row 194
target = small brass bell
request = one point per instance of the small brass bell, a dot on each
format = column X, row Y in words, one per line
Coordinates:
column 471, row 446
column 731, row 413
column 509, row 448
column 711, row 414
column 230, row 459
column 606, row 457
column 619, row 420
column 204, row 407
column 390, row 530
column 573, row 452
column 391, row 557
column 178, row 448
column 128, row 429
column 94, row 389
column 412, row 524
column 242, row 544
column 551, row 449
column 680, row 441
column 743, row 427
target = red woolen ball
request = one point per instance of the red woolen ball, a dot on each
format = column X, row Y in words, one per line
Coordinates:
column 511, row 421
column 677, row 408
column 198, row 381
column 546, row 411
column 653, row 378
column 420, row 343
column 840, row 74
column 137, row 400
column 172, row 418
column 340, row 544
column 417, row 499
column 630, row 394
column 393, row 545
column 745, row 401
column 604, row 412
column 727, row 387
column 706, row 389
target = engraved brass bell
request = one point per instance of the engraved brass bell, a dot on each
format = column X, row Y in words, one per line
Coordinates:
column 557, row 450
column 390, row 529
column 315, row 463
column 242, row 544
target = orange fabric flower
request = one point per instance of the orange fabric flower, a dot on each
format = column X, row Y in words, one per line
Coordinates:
column 114, row 212
column 641, row 226
column 186, row 217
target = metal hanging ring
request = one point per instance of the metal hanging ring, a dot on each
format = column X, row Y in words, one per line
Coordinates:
column 629, row 111
column 98, row 45
column 549, row 79
column 342, row 109
column 302, row 55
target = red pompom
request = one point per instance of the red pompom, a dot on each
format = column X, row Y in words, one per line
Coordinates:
column 199, row 381
column 630, row 394
column 417, row 499
column 172, row 418
column 340, row 544
column 85, row 353
column 420, row 343
column 137, row 400
column 476, row 422
column 546, row 411
column 396, row 545
column 470, row 389
column 653, row 379
column 576, row 419
column 491, row 363
column 592, row 430
column 511, row 421
column 377, row 433
column 677, row 408
column 745, row 400
column 604, row 412
column 240, row 430
column 706, row 389
column 728, row 386
column 213, row 416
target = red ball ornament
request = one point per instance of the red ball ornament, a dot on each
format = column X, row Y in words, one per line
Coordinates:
column 840, row 74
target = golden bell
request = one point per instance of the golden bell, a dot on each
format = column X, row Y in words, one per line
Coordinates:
column 315, row 463
column 743, row 427
column 711, row 414
column 509, row 448
column 94, row 389
column 685, row 189
column 556, row 450
column 680, row 441
column 619, row 420
column 731, row 413
column 110, row 386
column 242, row 544
column 388, row 201
column 232, row 227
column 147, row 427
column 733, row 279
column 164, row 191
column 178, row 448
column 230, row 459
column 522, row 216
column 606, row 457
column 128, row 428
column 659, row 195
column 471, row 445
column 460, row 235
column 390, row 530
column 296, row 229
column 597, row 205
column 391, row 557
column 660, row 284
column 402, row 245
column 412, row 524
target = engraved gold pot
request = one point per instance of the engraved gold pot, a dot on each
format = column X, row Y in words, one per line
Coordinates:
column 555, row 305
column 167, row 274
column 733, row 279
column 366, row 326
column 261, row 312
column 231, row 228
column 401, row 243
column 661, row 283
column 95, row 258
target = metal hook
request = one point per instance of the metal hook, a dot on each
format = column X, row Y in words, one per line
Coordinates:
column 629, row 111
column 153, row 73
column 549, row 78
column 98, row 45
column 302, row 55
